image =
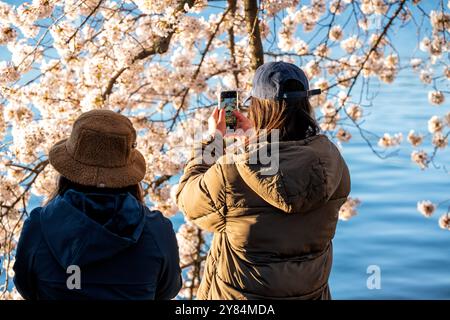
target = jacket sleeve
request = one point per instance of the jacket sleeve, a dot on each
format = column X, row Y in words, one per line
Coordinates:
column 24, row 277
column 170, row 280
column 201, row 191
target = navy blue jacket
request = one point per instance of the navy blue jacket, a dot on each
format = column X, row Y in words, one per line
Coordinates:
column 123, row 250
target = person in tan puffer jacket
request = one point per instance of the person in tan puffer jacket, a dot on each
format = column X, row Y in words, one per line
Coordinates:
column 273, row 230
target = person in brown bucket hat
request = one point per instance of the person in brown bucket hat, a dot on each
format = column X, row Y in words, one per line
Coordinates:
column 101, row 151
column 96, row 222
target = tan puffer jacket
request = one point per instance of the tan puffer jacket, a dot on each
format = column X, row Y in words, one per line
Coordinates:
column 272, row 233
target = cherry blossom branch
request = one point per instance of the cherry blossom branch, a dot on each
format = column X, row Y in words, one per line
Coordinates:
column 35, row 172
column 434, row 153
column 191, row 264
column 84, row 21
column 160, row 46
column 356, row 75
column 36, row 46
column 372, row 49
column 197, row 71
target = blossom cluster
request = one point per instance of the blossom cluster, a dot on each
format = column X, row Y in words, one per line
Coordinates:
column 427, row 208
column 348, row 209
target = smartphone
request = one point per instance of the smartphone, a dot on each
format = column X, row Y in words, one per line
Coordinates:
column 229, row 101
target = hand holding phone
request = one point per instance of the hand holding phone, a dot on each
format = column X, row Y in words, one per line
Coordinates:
column 243, row 122
column 216, row 122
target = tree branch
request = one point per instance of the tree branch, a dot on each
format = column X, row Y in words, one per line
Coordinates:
column 84, row 21
column 197, row 71
column 160, row 46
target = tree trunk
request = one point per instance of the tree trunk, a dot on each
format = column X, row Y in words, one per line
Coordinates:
column 231, row 43
column 252, row 24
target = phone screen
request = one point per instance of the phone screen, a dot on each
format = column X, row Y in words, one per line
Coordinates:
column 229, row 102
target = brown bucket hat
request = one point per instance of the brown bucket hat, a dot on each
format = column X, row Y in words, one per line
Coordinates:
column 100, row 151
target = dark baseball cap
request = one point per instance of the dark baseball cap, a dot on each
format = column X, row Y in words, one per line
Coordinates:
column 270, row 78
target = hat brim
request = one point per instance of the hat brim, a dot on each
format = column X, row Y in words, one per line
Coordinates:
column 291, row 95
column 117, row 177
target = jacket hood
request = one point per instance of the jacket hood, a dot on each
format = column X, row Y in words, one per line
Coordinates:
column 300, row 175
column 81, row 228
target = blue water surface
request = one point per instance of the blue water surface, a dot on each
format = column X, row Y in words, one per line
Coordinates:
column 411, row 250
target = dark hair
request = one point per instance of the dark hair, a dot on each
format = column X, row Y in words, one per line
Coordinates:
column 64, row 184
column 293, row 117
